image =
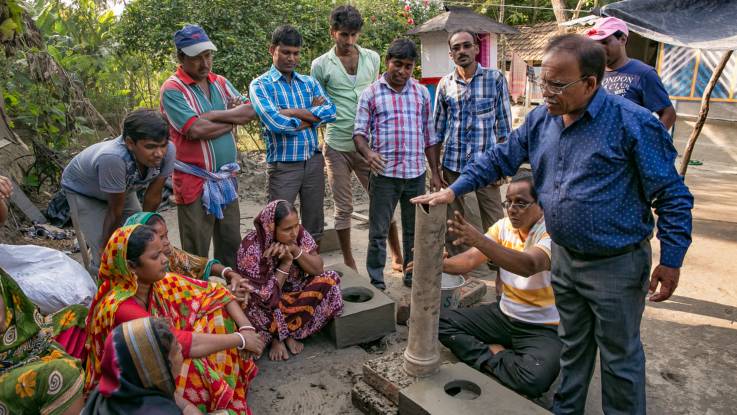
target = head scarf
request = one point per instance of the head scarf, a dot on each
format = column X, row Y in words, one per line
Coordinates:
column 26, row 337
column 136, row 373
column 251, row 261
column 141, row 218
column 180, row 262
column 118, row 285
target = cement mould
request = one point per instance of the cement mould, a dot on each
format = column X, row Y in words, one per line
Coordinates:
column 428, row 397
column 361, row 322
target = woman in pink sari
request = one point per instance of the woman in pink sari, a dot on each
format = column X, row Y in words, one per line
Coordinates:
column 292, row 295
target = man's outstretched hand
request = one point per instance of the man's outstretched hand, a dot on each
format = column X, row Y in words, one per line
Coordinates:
column 668, row 279
column 442, row 197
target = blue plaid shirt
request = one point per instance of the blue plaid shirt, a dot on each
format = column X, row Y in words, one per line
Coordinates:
column 597, row 178
column 470, row 117
column 270, row 93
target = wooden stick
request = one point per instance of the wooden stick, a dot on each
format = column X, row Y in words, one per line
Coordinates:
column 703, row 112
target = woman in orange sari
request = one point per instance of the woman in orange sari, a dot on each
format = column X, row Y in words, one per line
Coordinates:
column 215, row 335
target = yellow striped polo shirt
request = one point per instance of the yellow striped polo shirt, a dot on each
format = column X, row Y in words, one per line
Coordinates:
column 526, row 299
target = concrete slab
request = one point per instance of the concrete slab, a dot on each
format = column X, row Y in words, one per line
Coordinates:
column 460, row 389
column 368, row 313
column 329, row 241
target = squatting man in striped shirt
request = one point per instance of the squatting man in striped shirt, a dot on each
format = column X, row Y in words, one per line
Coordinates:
column 516, row 338
column 291, row 106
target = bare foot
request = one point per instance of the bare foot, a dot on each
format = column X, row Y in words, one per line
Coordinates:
column 496, row 348
column 294, row 346
column 278, row 351
column 351, row 263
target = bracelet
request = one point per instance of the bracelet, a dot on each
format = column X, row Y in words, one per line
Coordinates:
column 243, row 341
column 222, row 273
column 282, row 271
column 247, row 327
column 298, row 255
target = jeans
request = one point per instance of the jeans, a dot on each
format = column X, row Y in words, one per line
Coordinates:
column 384, row 194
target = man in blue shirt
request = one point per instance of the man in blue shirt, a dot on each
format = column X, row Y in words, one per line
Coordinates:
column 628, row 77
column 291, row 106
column 471, row 115
column 600, row 162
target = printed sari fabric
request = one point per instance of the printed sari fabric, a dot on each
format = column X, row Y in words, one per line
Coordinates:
column 136, row 374
column 180, row 262
column 304, row 304
column 216, row 382
column 36, row 375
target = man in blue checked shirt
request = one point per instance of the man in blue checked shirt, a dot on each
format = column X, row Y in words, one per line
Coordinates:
column 601, row 163
column 291, row 106
column 471, row 114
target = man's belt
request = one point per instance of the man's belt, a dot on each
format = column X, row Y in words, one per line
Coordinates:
column 586, row 256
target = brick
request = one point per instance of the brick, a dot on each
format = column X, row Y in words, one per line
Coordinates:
column 471, row 293
column 371, row 402
column 368, row 313
column 386, row 375
column 459, row 389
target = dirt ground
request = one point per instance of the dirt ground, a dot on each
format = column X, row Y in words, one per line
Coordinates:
column 690, row 341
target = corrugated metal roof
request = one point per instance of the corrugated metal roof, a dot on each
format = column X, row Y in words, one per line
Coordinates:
column 457, row 18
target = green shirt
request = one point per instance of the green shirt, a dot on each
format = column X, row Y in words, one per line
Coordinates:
column 332, row 76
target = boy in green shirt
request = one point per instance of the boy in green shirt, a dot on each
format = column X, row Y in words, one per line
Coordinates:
column 344, row 72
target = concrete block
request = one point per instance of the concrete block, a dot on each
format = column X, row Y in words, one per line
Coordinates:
column 459, row 389
column 329, row 240
column 387, row 376
column 368, row 313
column 369, row 401
column 471, row 293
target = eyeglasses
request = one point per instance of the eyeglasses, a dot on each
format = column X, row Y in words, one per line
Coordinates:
column 556, row 89
column 517, row 205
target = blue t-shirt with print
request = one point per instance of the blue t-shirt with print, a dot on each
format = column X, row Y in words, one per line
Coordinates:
column 639, row 83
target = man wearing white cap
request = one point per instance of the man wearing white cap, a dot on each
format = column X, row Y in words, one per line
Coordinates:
column 628, row 77
column 202, row 109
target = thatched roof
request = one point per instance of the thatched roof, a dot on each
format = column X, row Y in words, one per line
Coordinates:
column 461, row 18
column 530, row 41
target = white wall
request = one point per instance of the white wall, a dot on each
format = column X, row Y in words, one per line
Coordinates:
column 435, row 59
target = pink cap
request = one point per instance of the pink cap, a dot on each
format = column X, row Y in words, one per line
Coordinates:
column 605, row 27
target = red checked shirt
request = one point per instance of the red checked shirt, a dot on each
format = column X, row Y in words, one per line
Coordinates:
column 399, row 126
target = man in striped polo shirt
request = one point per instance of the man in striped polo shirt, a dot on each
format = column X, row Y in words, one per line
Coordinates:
column 291, row 106
column 515, row 340
column 202, row 109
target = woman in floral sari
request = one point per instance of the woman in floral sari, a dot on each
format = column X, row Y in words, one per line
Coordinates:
column 214, row 333
column 36, row 375
column 292, row 296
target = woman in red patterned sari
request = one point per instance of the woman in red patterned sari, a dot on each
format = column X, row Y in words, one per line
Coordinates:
column 292, row 295
column 214, row 333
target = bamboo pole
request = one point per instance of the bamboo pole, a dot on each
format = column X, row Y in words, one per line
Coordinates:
column 703, row 111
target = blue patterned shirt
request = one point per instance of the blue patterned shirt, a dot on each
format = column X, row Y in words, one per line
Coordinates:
column 470, row 117
column 597, row 178
column 270, row 93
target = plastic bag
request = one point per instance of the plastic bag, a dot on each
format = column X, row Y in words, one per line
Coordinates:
column 51, row 279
